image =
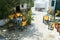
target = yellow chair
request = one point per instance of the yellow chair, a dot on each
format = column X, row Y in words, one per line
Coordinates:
column 56, row 14
column 50, row 10
column 46, row 18
column 18, row 14
column 53, row 24
column 24, row 23
column 11, row 16
column 58, row 11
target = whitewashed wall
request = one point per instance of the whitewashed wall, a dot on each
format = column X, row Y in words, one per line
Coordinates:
column 43, row 4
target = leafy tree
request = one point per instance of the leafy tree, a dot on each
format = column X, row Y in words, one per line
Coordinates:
column 7, row 5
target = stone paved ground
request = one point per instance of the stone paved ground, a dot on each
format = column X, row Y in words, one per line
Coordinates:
column 36, row 31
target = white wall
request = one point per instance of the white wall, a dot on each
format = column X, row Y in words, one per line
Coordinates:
column 42, row 3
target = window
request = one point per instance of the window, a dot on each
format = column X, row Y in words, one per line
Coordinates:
column 52, row 4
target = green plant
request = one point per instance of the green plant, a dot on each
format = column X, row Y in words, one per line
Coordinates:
column 6, row 6
column 28, row 17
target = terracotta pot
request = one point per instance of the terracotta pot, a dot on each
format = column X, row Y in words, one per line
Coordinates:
column 56, row 26
column 58, row 30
